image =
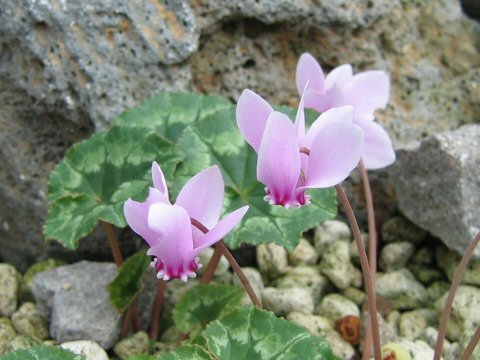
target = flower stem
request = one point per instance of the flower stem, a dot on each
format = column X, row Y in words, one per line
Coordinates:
column 372, row 249
column 233, row 263
column 471, row 345
column 211, row 267
column 442, row 329
column 367, row 275
column 157, row 307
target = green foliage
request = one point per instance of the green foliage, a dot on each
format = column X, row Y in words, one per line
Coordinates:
column 190, row 352
column 127, row 284
column 203, row 304
column 42, row 353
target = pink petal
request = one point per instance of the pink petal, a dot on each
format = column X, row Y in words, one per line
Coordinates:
column 252, row 114
column 202, row 196
column 278, row 165
column 378, row 149
column 323, row 102
column 309, row 71
column 367, row 92
column 221, row 229
column 340, row 114
column 136, row 214
column 159, row 179
column 339, row 76
column 300, row 117
column 335, row 152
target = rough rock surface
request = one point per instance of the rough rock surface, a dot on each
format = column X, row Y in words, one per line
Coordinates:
column 69, row 67
column 437, row 185
column 76, row 301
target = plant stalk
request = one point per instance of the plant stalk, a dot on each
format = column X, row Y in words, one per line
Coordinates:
column 442, row 329
column 212, row 266
column 157, row 308
column 367, row 275
column 471, row 345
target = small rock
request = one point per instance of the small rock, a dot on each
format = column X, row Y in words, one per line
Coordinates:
column 255, row 280
column 336, row 265
column 307, row 277
column 394, row 256
column 426, row 274
column 335, row 306
column 135, row 344
column 393, row 318
column 317, row 325
column 399, row 229
column 424, row 256
column 284, row 301
column 272, row 260
column 437, row 290
column 354, row 294
column 9, row 285
column 448, row 260
column 26, row 284
column 353, row 249
column 413, row 323
column 304, row 254
column 402, row 289
column 28, row 321
column 357, row 278
column 329, row 231
column 465, row 317
column 340, row 348
column 23, row 342
column 450, row 351
column 7, row 333
column 90, row 349
column 387, row 331
column 418, row 349
column 205, row 257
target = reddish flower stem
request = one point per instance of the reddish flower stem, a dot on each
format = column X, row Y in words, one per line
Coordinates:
column 367, row 275
column 372, row 249
column 442, row 329
column 157, row 308
column 471, row 345
column 233, row 263
column 211, row 267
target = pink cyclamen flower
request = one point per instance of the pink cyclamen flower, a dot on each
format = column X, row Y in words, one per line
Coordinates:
column 289, row 160
column 366, row 92
column 167, row 228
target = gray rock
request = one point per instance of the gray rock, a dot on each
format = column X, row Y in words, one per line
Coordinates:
column 402, row 289
column 448, row 261
column 135, row 344
column 412, row 324
column 441, row 173
column 90, row 349
column 317, row 325
column 465, row 315
column 399, row 229
column 23, row 342
column 395, row 256
column 426, row 274
column 304, row 254
column 423, row 256
column 205, row 256
column 330, row 231
column 255, row 280
column 76, row 301
column 336, row 265
column 450, row 351
column 27, row 279
column 28, row 321
column 9, row 286
column 356, row 295
column 7, row 333
column 335, row 306
column 285, row 301
column 408, row 349
column 272, row 260
column 437, row 289
column 340, row 348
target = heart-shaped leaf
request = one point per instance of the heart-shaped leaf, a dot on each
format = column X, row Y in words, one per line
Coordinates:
column 42, row 353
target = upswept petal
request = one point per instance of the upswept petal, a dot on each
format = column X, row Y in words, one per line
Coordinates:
column 334, row 153
column 252, row 114
column 378, row 149
column 339, row 76
column 309, row 71
column 136, row 214
column 278, row 165
column 202, row 196
column 219, row 231
column 339, row 114
column 323, row 102
column 159, row 180
column 172, row 223
column 367, row 92
column 299, row 123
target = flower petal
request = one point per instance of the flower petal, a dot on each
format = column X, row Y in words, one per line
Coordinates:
column 202, row 196
column 378, row 149
column 252, row 114
column 367, row 92
column 309, row 71
column 136, row 214
column 339, row 76
column 335, row 152
column 159, row 180
column 340, row 114
column 299, row 123
column 278, row 165
column 223, row 227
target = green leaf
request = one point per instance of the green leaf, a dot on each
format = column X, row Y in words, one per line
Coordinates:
column 128, row 283
column 250, row 333
column 190, row 352
column 205, row 303
column 42, row 353
column 96, row 176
